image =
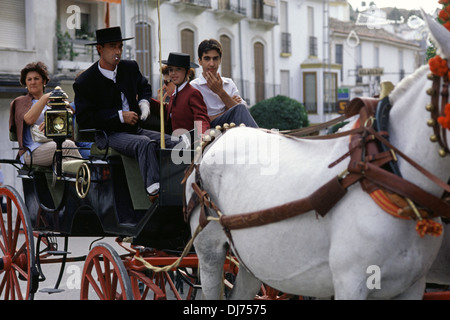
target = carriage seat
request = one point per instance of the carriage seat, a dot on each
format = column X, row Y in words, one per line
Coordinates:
column 70, row 167
column 170, row 174
column 131, row 167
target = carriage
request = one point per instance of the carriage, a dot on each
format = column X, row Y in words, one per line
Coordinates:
column 97, row 197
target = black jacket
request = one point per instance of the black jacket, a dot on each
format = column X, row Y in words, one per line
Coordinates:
column 98, row 99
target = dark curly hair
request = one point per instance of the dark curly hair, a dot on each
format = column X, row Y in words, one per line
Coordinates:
column 207, row 45
column 39, row 67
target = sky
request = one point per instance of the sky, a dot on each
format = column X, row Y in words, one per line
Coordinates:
column 427, row 5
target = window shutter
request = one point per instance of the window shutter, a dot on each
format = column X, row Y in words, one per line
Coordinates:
column 187, row 43
column 226, row 56
column 12, row 24
column 143, row 50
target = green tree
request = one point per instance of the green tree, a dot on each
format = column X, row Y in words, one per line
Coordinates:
column 281, row 113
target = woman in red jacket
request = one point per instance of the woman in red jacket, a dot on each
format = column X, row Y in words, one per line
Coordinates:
column 186, row 109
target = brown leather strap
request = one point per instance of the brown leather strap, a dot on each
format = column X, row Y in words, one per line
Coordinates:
column 312, row 129
column 422, row 170
column 405, row 188
column 321, row 200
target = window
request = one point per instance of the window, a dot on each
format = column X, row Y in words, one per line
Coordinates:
column 358, row 53
column 339, row 58
column 84, row 31
column 265, row 10
column 187, row 43
column 330, row 92
column 258, row 49
column 310, row 25
column 401, row 65
column 12, row 24
column 226, row 56
column 376, row 56
column 310, row 91
column 284, row 28
column 143, row 48
column 285, row 82
column 339, row 54
column 312, row 45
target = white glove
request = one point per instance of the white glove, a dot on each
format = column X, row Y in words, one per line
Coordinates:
column 144, row 105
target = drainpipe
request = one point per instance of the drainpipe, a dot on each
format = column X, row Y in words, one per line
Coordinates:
column 240, row 58
column 122, row 17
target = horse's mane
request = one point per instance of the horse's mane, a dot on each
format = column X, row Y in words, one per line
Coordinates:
column 406, row 83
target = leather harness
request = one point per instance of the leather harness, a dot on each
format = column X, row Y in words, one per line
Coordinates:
column 372, row 163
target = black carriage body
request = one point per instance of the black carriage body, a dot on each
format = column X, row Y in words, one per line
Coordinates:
column 116, row 204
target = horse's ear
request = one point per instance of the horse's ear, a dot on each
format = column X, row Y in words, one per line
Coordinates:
column 439, row 33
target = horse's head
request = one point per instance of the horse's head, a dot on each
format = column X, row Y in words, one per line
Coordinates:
column 415, row 113
column 439, row 34
column 439, row 106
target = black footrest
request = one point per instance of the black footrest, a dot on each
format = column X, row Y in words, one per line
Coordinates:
column 56, row 252
column 51, row 290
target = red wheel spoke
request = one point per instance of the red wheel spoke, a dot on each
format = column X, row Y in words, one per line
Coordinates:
column 3, row 283
column 107, row 277
column 105, row 274
column 94, row 285
column 3, row 245
column 15, row 236
column 16, row 245
column 100, row 275
column 16, row 287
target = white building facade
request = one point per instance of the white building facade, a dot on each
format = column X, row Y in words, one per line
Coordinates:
column 296, row 48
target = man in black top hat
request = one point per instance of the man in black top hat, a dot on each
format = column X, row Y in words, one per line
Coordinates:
column 112, row 95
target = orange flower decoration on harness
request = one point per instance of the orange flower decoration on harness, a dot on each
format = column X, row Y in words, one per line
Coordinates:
column 444, row 121
column 444, row 14
column 438, row 66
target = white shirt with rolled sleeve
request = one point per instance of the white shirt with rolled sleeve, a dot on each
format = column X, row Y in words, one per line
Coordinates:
column 213, row 102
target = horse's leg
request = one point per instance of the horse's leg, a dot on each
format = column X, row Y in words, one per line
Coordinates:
column 246, row 286
column 211, row 248
column 347, row 287
column 415, row 292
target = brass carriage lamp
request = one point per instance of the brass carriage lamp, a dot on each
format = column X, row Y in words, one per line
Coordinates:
column 58, row 119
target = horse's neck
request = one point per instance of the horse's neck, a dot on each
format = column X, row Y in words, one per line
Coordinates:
column 409, row 131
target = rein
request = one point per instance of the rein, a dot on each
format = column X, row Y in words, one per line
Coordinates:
column 367, row 165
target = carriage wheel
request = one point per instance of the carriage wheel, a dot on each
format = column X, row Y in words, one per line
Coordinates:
column 104, row 276
column 18, row 275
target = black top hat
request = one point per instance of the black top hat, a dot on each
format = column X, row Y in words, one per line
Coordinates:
column 109, row 35
column 180, row 60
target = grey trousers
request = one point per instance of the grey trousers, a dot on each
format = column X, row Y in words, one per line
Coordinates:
column 43, row 155
column 238, row 114
column 144, row 146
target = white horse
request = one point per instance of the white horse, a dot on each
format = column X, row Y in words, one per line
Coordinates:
column 356, row 251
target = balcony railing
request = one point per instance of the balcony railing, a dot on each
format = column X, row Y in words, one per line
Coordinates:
column 313, row 46
column 286, row 43
column 265, row 12
column 236, row 6
column 200, row 3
